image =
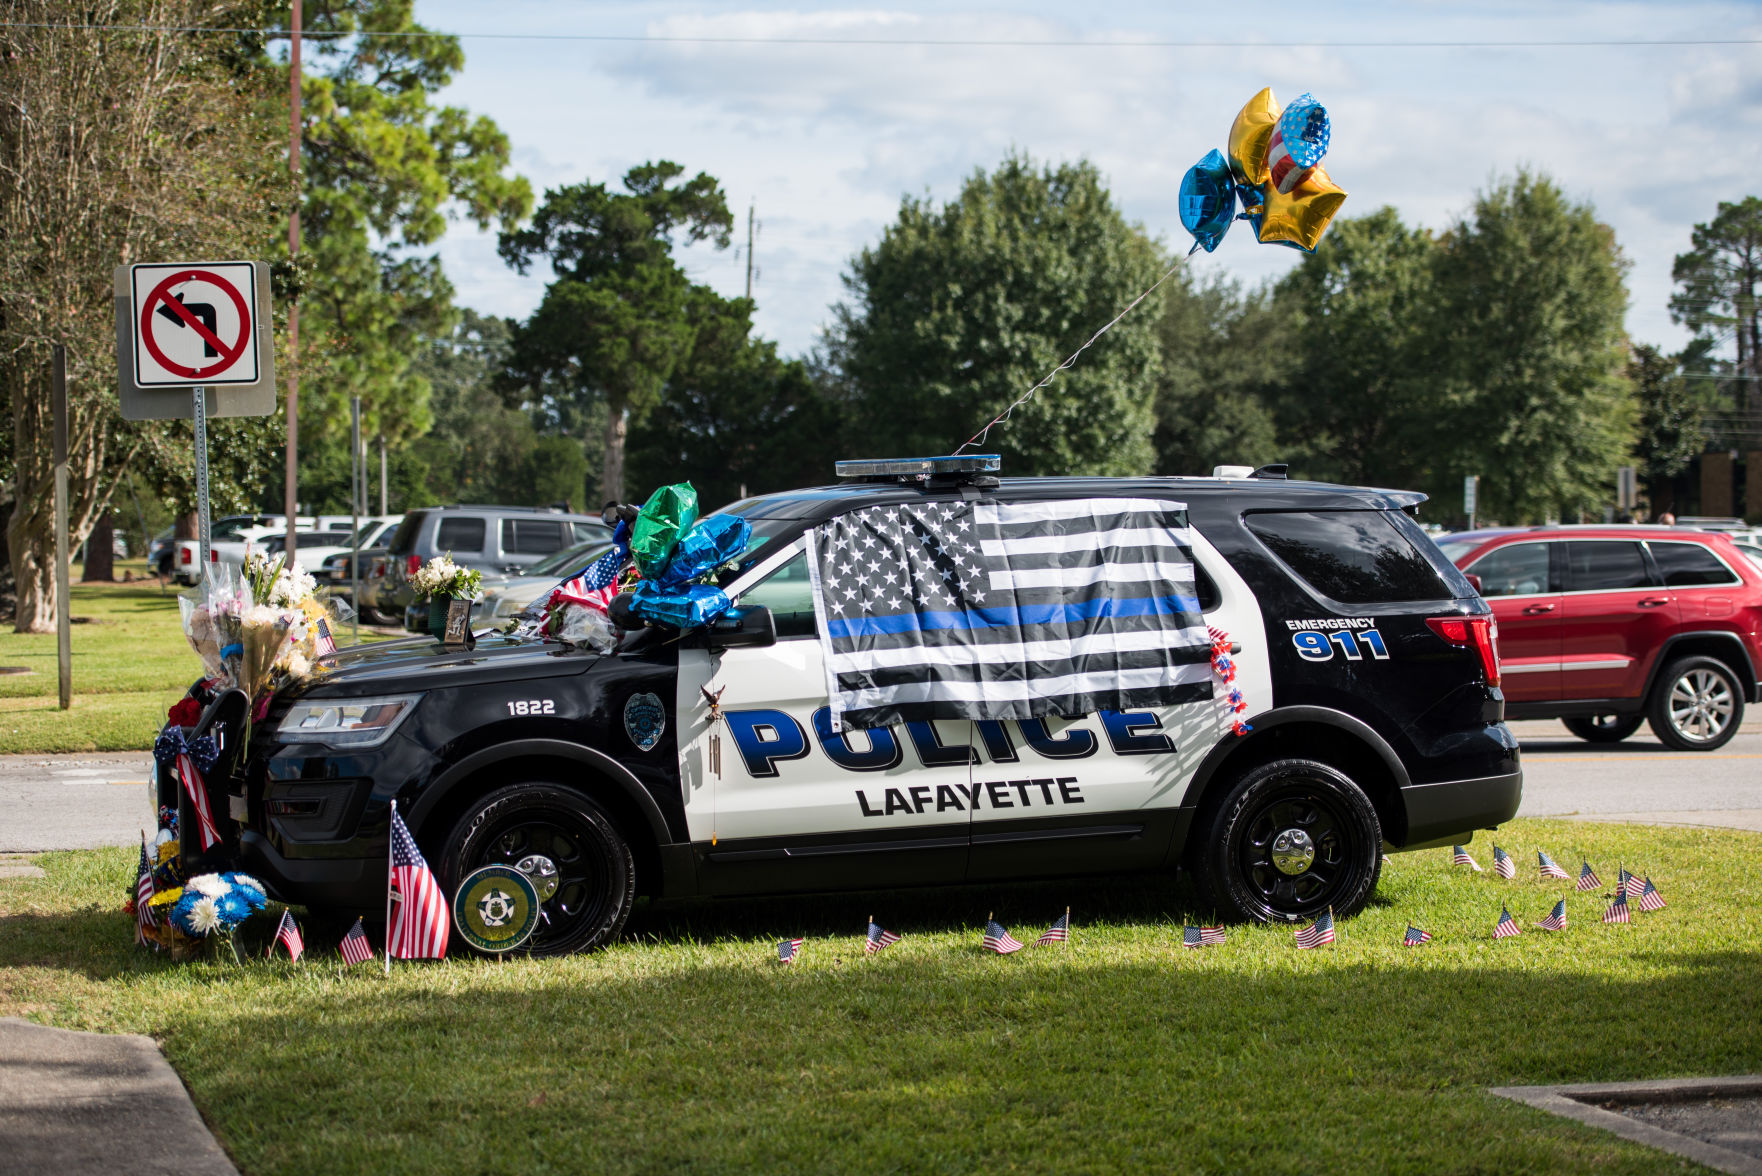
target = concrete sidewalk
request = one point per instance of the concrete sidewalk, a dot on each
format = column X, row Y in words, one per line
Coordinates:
column 96, row 1102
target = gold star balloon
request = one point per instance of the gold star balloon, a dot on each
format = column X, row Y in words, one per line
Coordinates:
column 1274, row 170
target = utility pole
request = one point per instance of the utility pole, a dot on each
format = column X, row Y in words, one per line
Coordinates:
column 293, row 454
column 382, row 494
column 749, row 251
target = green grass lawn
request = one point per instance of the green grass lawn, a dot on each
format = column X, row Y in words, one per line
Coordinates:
column 130, row 663
column 687, row 1048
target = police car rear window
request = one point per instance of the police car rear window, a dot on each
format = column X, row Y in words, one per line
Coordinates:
column 1353, row 556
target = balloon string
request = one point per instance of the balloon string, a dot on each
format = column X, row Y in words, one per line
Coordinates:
column 999, row 419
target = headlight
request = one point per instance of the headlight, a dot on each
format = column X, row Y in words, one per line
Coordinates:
column 346, row 722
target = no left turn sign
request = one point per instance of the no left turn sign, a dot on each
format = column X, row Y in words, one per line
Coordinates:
column 194, row 324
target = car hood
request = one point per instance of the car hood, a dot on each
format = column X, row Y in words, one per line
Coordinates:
column 421, row 663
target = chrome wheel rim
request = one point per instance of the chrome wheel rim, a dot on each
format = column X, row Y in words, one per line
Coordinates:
column 1701, row 705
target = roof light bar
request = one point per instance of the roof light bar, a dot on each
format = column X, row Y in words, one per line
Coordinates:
column 920, row 467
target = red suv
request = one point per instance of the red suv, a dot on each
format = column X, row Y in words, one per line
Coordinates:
column 1606, row 627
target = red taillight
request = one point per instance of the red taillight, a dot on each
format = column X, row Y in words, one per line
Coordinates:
column 412, row 565
column 1480, row 632
column 183, row 555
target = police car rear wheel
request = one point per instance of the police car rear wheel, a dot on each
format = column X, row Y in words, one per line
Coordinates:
column 592, row 881
column 1286, row 842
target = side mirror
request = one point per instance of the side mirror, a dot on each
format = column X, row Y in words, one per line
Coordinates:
column 746, row 624
column 1474, row 581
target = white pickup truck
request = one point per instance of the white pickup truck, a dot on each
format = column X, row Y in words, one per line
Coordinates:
column 232, row 538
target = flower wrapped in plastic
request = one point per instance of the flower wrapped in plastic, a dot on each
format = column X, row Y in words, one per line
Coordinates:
column 263, row 633
column 441, row 578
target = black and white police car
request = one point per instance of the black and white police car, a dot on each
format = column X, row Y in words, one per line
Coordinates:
column 709, row 762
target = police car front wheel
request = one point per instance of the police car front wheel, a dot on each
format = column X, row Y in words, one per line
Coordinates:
column 1288, row 840
column 570, row 849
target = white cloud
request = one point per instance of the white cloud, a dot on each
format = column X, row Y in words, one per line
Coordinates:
column 827, row 138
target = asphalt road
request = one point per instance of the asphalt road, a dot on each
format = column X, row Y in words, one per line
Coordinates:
column 85, row 801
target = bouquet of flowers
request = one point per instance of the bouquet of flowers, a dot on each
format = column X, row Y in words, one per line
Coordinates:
column 211, row 623
column 207, row 907
column 440, row 577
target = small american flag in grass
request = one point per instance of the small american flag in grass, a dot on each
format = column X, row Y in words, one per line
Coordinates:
column 1650, row 899
column 1415, row 937
column 1506, row 926
column 1459, row 857
column 1587, row 878
column 1556, row 920
column 1617, row 912
column 997, row 939
column 1192, row 936
column 287, row 934
column 1059, row 932
column 1502, row 864
column 878, row 938
column 788, row 950
column 1547, row 867
column 144, row 898
column 1317, row 933
column 355, row 948
column 1634, row 886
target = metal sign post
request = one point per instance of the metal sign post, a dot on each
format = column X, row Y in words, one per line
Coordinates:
column 194, row 339
column 1470, row 485
column 204, row 535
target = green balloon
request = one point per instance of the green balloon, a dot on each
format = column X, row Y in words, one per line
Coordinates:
column 668, row 514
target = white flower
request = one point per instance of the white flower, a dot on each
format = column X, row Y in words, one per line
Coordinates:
column 212, row 885
column 291, row 587
column 247, row 882
column 261, row 614
column 205, row 915
column 294, row 664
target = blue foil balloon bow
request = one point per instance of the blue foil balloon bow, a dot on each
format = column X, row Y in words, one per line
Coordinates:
column 1208, row 200
column 685, row 608
column 710, row 543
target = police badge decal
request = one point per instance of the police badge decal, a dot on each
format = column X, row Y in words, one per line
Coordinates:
column 496, row 909
column 644, row 720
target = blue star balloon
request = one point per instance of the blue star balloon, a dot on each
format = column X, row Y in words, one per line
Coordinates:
column 1208, row 200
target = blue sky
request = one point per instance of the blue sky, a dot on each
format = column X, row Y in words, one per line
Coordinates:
column 825, row 139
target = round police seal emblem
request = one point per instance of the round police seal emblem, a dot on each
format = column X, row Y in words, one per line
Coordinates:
column 645, row 719
column 496, row 909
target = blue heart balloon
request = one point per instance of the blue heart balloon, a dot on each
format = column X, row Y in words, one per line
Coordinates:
column 1208, row 200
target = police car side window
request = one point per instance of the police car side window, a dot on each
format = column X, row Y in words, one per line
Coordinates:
column 1353, row 556
column 1209, row 597
column 789, row 594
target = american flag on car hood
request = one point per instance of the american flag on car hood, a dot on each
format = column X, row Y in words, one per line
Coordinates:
column 1008, row 610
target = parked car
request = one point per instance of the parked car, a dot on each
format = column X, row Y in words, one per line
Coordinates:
column 227, row 539
column 704, row 761
column 333, row 568
column 1606, row 628
column 162, row 553
column 317, row 547
column 498, row 541
column 519, row 592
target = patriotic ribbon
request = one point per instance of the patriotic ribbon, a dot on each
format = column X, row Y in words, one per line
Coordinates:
column 194, row 758
column 1224, row 666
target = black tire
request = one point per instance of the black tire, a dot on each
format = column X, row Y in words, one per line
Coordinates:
column 1603, row 728
column 1697, row 704
column 1231, row 849
column 596, row 869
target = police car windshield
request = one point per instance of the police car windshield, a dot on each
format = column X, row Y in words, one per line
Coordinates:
column 764, row 530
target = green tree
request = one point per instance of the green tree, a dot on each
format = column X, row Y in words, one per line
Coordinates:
column 1359, row 405
column 1222, row 351
column 1717, row 299
column 480, row 448
column 123, row 138
column 615, row 321
column 959, row 310
column 1530, row 385
column 1671, row 413
column 734, row 415
column 384, row 166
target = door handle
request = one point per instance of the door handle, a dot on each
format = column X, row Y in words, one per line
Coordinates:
column 1536, row 610
column 1654, row 601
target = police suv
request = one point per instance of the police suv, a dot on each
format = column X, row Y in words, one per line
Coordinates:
column 709, row 762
